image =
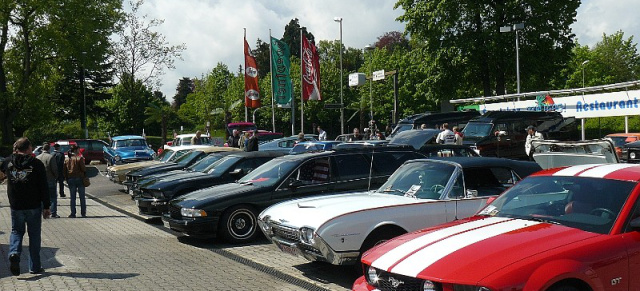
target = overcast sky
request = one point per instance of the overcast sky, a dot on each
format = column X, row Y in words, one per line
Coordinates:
column 213, row 29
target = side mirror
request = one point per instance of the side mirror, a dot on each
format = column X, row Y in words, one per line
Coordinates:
column 471, row 193
column 236, row 172
column 635, row 223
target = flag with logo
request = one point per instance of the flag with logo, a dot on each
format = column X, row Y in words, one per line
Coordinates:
column 251, row 91
column 310, row 71
column 280, row 72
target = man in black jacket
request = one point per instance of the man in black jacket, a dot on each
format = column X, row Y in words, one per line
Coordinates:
column 59, row 156
column 29, row 201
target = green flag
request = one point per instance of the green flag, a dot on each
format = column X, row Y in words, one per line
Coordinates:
column 280, row 72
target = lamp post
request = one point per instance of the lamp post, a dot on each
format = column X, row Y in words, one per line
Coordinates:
column 369, row 49
column 339, row 19
column 582, row 120
column 84, row 100
column 515, row 27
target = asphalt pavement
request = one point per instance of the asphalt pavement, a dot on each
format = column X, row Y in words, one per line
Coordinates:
column 114, row 248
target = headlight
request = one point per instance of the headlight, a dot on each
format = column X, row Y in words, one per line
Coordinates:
column 632, row 155
column 266, row 228
column 117, row 158
column 190, row 212
column 156, row 194
column 372, row 276
column 307, row 235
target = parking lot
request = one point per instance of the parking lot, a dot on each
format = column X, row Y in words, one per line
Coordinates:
column 261, row 255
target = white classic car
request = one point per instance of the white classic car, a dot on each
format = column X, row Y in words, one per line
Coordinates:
column 425, row 192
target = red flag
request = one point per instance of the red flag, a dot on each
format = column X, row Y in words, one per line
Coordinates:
column 251, row 91
column 310, row 71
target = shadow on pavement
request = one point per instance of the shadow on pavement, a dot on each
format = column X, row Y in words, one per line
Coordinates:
column 106, row 276
column 326, row 273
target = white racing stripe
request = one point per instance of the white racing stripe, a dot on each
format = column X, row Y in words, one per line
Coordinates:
column 572, row 171
column 422, row 259
column 393, row 256
column 601, row 171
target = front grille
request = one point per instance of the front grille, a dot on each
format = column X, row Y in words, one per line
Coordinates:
column 174, row 211
column 394, row 282
column 284, row 232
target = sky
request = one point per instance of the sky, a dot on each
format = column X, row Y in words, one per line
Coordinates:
column 212, row 30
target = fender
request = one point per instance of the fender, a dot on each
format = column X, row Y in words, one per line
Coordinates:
column 552, row 272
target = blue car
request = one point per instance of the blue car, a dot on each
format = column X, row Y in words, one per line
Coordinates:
column 126, row 149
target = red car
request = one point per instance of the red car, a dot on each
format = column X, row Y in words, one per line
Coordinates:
column 563, row 229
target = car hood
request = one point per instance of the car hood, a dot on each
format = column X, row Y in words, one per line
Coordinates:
column 315, row 211
column 131, row 152
column 128, row 167
column 163, row 167
column 205, row 197
column 453, row 252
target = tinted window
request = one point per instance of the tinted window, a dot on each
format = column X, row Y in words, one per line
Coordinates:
column 488, row 181
column 386, row 163
column 314, row 171
column 349, row 167
column 96, row 145
column 475, row 129
column 202, row 165
column 82, row 144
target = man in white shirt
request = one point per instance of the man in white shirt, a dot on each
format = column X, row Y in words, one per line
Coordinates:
column 322, row 135
column 532, row 134
column 446, row 136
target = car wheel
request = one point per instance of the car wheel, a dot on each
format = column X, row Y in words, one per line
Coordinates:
column 563, row 288
column 375, row 238
column 239, row 224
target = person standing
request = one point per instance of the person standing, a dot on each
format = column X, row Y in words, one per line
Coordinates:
column 59, row 156
column 446, row 136
column 51, row 168
column 74, row 173
column 356, row 135
column 532, row 134
column 322, row 135
column 29, row 203
column 458, row 135
column 242, row 142
column 196, row 140
column 234, row 139
column 252, row 143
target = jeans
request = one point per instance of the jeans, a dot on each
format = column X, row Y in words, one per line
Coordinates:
column 61, row 186
column 76, row 185
column 33, row 220
column 53, row 196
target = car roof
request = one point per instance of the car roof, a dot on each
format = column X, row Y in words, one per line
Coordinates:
column 214, row 149
column 490, row 116
column 626, row 172
column 125, row 137
column 523, row 168
column 258, row 154
column 366, row 150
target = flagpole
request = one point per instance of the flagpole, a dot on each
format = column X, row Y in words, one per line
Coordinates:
column 301, row 87
column 244, row 75
column 273, row 110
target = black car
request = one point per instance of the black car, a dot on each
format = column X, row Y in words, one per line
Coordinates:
column 230, row 210
column 189, row 158
column 631, row 152
column 424, row 141
column 433, row 119
column 154, row 195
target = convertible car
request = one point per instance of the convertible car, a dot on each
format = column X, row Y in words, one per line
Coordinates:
column 562, row 229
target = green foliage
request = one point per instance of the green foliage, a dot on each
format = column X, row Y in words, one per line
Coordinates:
column 291, row 36
column 130, row 98
column 185, row 87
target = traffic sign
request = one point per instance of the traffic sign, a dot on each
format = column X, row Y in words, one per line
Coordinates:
column 378, row 75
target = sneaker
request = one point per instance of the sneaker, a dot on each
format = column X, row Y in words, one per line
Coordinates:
column 55, row 216
column 39, row 271
column 84, row 216
column 15, row 264
column 72, row 216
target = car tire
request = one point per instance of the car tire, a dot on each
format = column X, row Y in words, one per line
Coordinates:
column 239, row 224
column 563, row 288
column 375, row 238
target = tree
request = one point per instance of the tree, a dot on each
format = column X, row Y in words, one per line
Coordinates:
column 142, row 52
column 263, row 57
column 159, row 114
column 392, row 40
column 469, row 54
column 291, row 36
column 185, row 87
column 130, row 98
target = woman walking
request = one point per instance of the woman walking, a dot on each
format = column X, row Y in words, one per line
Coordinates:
column 74, row 172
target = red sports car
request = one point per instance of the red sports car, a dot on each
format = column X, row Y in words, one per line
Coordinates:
column 563, row 229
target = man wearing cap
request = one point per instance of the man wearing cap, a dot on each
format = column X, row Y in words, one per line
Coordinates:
column 59, row 157
column 532, row 134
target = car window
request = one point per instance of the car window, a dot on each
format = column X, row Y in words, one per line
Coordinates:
column 386, row 163
column 82, row 144
column 270, row 173
column 203, row 164
column 314, row 171
column 487, row 181
column 246, row 165
column 350, row 167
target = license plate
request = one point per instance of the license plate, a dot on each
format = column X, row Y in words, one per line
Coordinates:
column 130, row 192
column 288, row 249
column 165, row 223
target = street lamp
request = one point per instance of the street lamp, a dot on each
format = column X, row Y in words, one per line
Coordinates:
column 582, row 120
column 369, row 49
column 515, row 27
column 339, row 19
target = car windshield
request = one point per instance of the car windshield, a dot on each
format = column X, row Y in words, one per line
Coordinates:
column 165, row 155
column 185, row 159
column 618, row 140
column 425, row 180
column 131, row 143
column 476, row 129
column 203, row 165
column 269, row 173
column 589, row 204
column 222, row 166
